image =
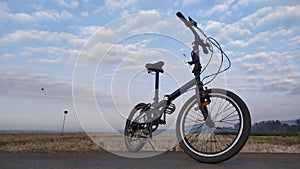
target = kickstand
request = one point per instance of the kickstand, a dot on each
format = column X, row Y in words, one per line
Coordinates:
column 151, row 145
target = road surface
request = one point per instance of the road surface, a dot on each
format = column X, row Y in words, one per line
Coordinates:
column 167, row 160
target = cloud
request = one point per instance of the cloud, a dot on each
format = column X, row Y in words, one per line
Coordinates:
column 46, row 15
column 261, row 38
column 265, row 72
column 119, row 4
column 98, row 32
column 111, row 6
column 123, row 37
column 69, row 3
column 294, row 42
column 84, row 14
column 260, row 28
column 58, row 60
column 221, row 8
column 35, row 37
column 283, row 16
column 43, row 46
column 52, row 15
column 227, row 31
column 7, row 56
column 6, row 15
column 264, row 82
column 20, row 82
column 245, row 3
column 260, row 57
column 266, row 17
column 108, row 52
column 189, row 2
column 52, row 51
column 253, row 18
column 253, row 68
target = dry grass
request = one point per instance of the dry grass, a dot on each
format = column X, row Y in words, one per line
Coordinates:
column 81, row 142
column 273, row 144
column 45, row 142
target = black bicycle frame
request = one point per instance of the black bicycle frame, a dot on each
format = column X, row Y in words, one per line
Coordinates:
column 200, row 92
column 182, row 90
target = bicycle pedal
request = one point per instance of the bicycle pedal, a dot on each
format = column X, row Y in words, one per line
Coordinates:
column 170, row 108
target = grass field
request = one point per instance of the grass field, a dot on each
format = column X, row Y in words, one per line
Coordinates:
column 81, row 142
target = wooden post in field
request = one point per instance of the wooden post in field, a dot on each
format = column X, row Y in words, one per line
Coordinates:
column 64, row 121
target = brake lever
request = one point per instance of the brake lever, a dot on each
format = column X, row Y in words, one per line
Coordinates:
column 191, row 63
column 193, row 22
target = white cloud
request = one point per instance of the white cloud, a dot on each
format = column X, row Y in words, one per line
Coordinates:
column 261, row 56
column 7, row 56
column 52, row 15
column 52, row 55
column 244, row 3
column 112, row 53
column 253, row 68
column 221, row 8
column 294, row 43
column 69, row 3
column 282, row 16
column 285, row 16
column 85, row 14
column 266, row 72
column 58, row 60
column 20, row 82
column 189, row 2
column 262, row 37
column 97, row 31
column 227, row 31
column 264, row 82
column 6, row 15
column 3, row 7
column 35, row 36
column 253, row 18
column 114, row 5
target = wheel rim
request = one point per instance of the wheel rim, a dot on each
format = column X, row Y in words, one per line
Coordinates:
column 222, row 136
column 133, row 139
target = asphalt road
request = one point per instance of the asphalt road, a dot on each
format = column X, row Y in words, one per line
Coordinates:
column 167, row 160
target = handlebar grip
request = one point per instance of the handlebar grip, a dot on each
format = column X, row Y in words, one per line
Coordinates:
column 179, row 15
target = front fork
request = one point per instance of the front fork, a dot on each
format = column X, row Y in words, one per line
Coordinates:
column 202, row 97
column 203, row 100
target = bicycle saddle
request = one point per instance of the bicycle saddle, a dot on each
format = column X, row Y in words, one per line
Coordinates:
column 155, row 67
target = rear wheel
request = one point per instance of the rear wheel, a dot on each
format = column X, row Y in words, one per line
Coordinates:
column 222, row 137
column 135, row 133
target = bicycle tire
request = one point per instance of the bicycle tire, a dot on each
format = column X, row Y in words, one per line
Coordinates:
column 129, row 134
column 194, row 142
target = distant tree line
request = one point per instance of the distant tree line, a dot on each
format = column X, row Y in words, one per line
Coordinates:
column 275, row 126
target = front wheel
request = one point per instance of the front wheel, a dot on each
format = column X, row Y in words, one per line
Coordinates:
column 225, row 134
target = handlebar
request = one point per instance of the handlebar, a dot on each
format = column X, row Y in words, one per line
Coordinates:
column 198, row 41
column 179, row 15
column 192, row 25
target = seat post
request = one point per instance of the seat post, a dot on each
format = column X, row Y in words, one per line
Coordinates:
column 156, row 87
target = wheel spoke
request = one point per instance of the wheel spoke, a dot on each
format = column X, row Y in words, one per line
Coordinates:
column 213, row 140
column 134, row 129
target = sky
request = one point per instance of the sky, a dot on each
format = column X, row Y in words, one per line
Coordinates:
column 89, row 58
